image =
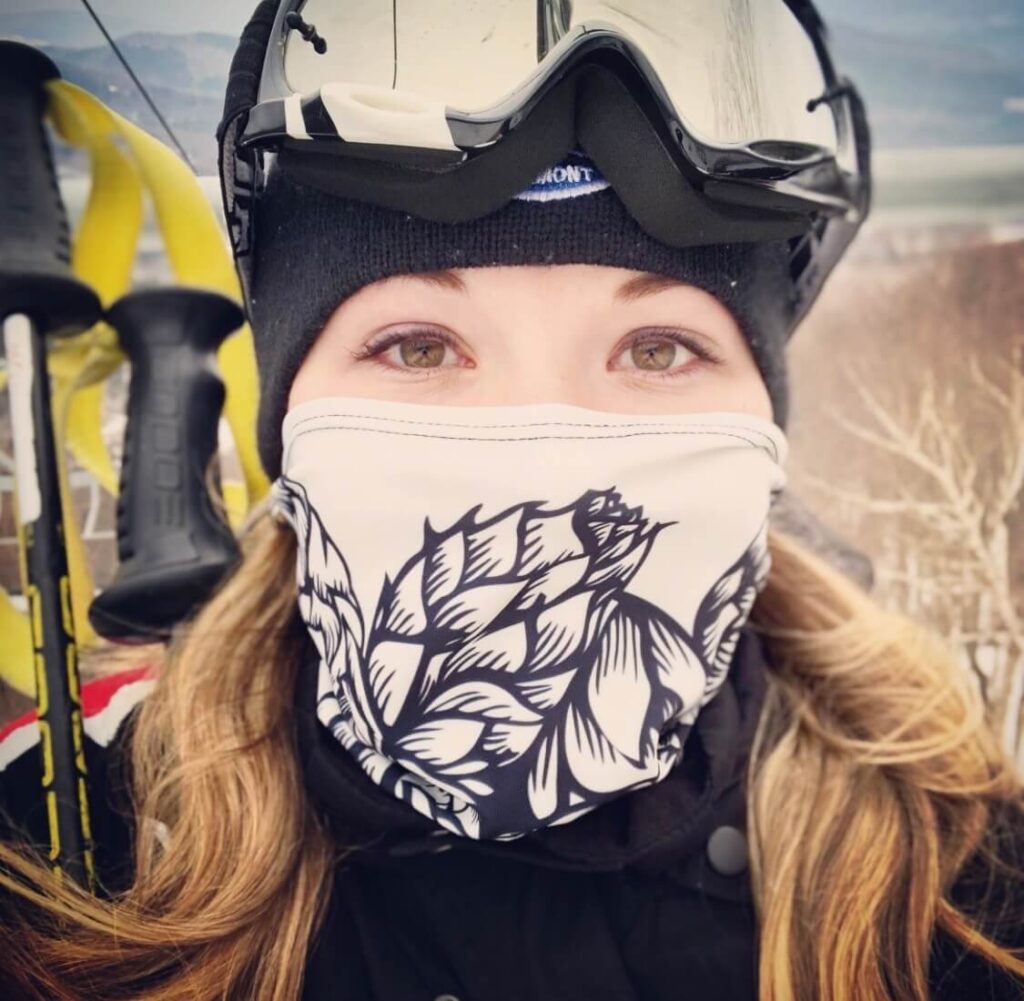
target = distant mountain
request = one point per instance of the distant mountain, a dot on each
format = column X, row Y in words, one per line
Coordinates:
column 196, row 62
column 184, row 74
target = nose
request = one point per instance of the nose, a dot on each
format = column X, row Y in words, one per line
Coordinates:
column 551, row 373
column 522, row 388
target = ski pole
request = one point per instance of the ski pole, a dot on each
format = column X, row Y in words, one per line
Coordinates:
column 39, row 296
column 173, row 546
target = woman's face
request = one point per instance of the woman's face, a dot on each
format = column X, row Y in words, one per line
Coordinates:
column 598, row 337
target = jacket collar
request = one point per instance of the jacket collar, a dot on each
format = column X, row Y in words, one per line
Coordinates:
column 650, row 829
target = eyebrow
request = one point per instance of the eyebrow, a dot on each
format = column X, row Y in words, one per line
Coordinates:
column 442, row 279
column 646, row 284
column 634, row 288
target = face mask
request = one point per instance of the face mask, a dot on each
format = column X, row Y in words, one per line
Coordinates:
column 520, row 610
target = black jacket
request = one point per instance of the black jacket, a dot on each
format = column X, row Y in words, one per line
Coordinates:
column 645, row 898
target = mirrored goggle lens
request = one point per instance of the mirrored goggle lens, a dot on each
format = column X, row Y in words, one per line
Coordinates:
column 736, row 71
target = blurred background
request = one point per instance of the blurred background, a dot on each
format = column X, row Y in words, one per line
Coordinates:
column 908, row 388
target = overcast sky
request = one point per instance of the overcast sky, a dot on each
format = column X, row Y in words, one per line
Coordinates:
column 933, row 72
column 223, row 16
column 942, row 17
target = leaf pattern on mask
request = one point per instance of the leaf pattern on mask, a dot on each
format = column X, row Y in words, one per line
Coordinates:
column 724, row 611
column 509, row 680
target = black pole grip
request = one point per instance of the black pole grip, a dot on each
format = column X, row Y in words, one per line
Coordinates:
column 35, row 278
column 173, row 545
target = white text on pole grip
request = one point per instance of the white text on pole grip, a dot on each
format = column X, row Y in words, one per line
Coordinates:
column 20, row 373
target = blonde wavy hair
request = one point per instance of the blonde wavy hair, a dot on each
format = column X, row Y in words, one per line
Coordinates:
column 874, row 775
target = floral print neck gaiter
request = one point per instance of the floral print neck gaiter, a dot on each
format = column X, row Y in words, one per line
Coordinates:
column 520, row 610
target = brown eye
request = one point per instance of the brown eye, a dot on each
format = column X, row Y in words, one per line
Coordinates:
column 653, row 355
column 422, row 352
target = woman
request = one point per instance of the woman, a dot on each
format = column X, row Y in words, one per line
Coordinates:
column 514, row 695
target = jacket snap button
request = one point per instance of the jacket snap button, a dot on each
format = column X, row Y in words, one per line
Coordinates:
column 727, row 850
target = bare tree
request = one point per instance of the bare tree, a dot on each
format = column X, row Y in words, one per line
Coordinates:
column 952, row 456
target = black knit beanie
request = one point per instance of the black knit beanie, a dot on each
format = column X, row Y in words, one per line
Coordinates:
column 314, row 249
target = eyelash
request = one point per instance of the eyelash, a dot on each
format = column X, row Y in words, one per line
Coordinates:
column 704, row 354
column 374, row 349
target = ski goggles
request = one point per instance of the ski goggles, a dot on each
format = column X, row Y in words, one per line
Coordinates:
column 714, row 120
